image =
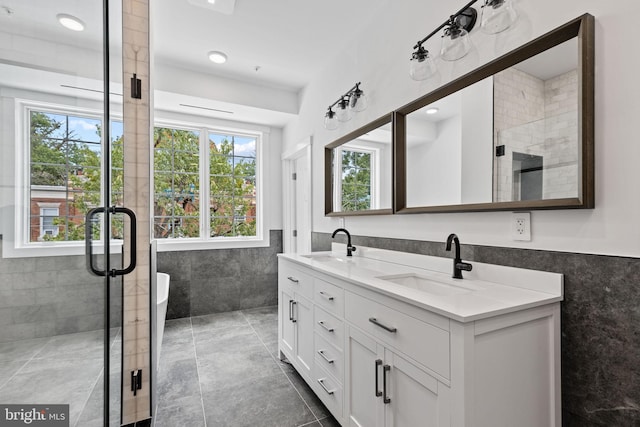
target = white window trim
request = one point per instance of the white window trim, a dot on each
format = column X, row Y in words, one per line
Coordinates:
column 375, row 167
column 261, row 239
column 18, row 245
column 44, row 206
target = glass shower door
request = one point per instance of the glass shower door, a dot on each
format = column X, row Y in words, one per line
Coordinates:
column 59, row 325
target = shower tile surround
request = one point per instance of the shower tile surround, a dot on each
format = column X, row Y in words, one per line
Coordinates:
column 600, row 343
column 221, row 280
column 48, row 296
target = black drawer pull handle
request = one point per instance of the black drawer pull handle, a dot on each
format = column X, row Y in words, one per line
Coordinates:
column 293, row 279
column 378, row 363
column 321, row 381
column 324, row 356
column 385, row 369
column 326, row 295
column 385, row 327
column 327, row 328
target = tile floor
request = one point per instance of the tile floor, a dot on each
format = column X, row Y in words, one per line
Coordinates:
column 65, row 369
column 223, row 370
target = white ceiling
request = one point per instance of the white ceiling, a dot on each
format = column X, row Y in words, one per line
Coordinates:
column 289, row 40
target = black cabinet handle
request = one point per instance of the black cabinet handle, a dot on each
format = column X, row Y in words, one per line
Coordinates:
column 385, row 327
column 293, row 312
column 290, row 309
column 293, row 279
column 378, row 363
column 385, row 369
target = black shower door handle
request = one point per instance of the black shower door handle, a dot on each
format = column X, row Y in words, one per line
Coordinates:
column 89, row 240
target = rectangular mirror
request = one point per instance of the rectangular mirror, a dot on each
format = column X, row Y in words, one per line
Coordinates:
column 517, row 133
column 358, row 171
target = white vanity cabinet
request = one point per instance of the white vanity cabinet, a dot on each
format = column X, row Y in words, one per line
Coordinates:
column 295, row 325
column 379, row 356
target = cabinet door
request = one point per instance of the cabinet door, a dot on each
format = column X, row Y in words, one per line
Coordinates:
column 412, row 393
column 364, row 407
column 285, row 324
column 303, row 315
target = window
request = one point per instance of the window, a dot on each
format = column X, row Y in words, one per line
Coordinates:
column 208, row 168
column 354, row 186
column 65, row 155
column 48, row 218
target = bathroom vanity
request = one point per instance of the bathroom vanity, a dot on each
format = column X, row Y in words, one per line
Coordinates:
column 388, row 338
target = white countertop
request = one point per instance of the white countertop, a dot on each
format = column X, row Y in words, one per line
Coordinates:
column 486, row 291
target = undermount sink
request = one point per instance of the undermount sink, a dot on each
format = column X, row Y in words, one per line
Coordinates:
column 429, row 285
column 323, row 258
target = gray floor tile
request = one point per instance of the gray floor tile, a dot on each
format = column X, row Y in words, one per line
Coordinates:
column 94, row 406
column 313, row 424
column 233, row 338
column 311, row 399
column 272, row 346
column 266, row 402
column 262, row 314
column 179, row 379
column 21, row 350
column 219, row 320
column 267, row 330
column 49, row 380
column 235, row 367
column 83, row 345
column 184, row 412
column 329, row 422
column 8, row 368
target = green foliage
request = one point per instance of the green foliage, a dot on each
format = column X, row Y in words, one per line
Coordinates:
column 60, row 159
column 356, row 181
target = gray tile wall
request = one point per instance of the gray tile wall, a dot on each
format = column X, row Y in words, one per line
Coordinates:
column 220, row 280
column 600, row 323
column 47, row 296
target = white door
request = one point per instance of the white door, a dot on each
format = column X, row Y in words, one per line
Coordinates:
column 302, row 203
column 296, row 167
column 364, row 404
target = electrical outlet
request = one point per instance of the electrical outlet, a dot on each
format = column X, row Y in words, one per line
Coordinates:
column 521, row 226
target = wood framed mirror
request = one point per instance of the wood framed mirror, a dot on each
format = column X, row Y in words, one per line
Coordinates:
column 358, row 171
column 514, row 134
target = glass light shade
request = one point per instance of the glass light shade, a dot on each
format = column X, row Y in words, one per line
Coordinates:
column 331, row 120
column 343, row 113
column 358, row 101
column 421, row 66
column 455, row 43
column 497, row 16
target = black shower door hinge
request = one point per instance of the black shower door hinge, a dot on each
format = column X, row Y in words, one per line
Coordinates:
column 136, row 87
column 136, row 381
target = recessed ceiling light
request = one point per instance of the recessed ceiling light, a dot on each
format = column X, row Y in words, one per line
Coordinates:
column 212, row 1
column 217, row 57
column 70, row 22
column 432, row 110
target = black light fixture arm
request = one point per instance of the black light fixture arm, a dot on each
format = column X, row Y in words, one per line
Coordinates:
column 445, row 23
column 347, row 94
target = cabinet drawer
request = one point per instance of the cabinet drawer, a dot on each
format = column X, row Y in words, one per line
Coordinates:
column 328, row 390
column 290, row 275
column 425, row 343
column 329, row 357
column 329, row 296
column 329, row 327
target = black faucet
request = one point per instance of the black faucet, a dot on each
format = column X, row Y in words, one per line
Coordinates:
column 350, row 247
column 458, row 265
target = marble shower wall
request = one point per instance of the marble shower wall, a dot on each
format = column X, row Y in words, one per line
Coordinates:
column 600, row 323
column 219, row 280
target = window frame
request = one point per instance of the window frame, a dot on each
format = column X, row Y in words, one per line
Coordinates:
column 19, row 244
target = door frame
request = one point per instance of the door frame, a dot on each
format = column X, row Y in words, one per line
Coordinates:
column 302, row 150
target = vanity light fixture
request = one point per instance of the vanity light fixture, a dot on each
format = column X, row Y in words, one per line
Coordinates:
column 497, row 16
column 354, row 101
column 70, row 22
column 217, row 57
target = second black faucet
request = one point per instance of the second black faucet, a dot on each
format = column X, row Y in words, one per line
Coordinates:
column 350, row 247
column 458, row 265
